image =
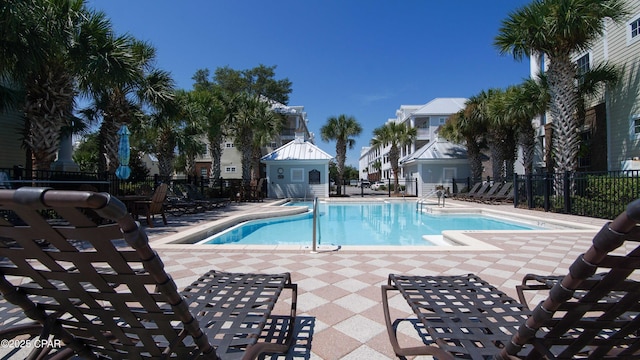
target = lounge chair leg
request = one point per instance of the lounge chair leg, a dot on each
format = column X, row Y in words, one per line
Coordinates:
column 393, row 338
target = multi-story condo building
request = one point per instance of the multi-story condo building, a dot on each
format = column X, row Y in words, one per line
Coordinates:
column 374, row 161
column 611, row 131
column 231, row 160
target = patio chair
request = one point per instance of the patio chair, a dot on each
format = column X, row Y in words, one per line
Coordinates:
column 154, row 206
column 104, row 292
column 504, row 195
column 480, row 197
column 474, row 194
column 193, row 194
column 584, row 315
column 473, row 190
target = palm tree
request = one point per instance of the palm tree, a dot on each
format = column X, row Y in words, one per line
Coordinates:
column 486, row 108
column 524, row 102
column 462, row 129
column 241, row 127
column 166, row 127
column 267, row 125
column 252, row 124
column 189, row 138
column 54, row 47
column 558, row 29
column 397, row 136
column 377, row 166
column 130, row 89
column 502, row 132
column 204, row 108
column 341, row 129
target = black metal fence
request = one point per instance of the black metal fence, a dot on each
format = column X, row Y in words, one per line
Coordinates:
column 595, row 194
column 407, row 187
column 65, row 180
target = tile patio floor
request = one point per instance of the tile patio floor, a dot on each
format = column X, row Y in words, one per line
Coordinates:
column 339, row 299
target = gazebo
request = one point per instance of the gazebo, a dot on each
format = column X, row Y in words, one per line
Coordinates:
column 298, row 169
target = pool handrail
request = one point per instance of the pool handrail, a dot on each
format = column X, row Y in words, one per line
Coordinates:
column 315, row 215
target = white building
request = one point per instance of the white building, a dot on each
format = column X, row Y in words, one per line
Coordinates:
column 231, row 160
column 374, row 161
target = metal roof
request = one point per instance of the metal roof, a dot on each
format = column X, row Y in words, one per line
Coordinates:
column 442, row 106
column 439, row 149
column 297, row 150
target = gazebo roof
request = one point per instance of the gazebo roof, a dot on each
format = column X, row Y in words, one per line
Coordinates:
column 297, row 150
column 440, row 149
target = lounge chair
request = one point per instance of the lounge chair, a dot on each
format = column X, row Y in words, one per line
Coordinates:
column 481, row 190
column 474, row 189
column 108, row 297
column 154, row 206
column 193, row 194
column 505, row 194
column 496, row 188
column 584, row 315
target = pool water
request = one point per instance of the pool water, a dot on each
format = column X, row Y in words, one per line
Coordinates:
column 357, row 224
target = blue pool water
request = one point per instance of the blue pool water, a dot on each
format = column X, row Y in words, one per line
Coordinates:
column 357, row 224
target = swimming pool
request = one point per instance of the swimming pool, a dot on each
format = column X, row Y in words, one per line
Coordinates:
column 371, row 224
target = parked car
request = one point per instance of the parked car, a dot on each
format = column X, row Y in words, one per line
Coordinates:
column 377, row 185
column 364, row 184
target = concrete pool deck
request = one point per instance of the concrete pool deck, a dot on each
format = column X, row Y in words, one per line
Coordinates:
column 339, row 301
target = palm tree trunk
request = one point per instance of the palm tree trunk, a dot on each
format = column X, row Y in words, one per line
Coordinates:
column 341, row 153
column 216, row 154
column 526, row 139
column 394, row 157
column 475, row 158
column 564, row 100
column 48, row 106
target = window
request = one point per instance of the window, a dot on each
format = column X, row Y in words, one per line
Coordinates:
column 443, row 120
column 635, row 28
column 297, row 175
column 448, row 174
column 583, row 64
column 230, row 169
column 203, row 172
column 228, row 145
column 635, row 126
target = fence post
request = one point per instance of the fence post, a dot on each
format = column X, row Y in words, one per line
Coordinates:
column 547, row 191
column 567, row 195
column 516, row 196
column 529, row 189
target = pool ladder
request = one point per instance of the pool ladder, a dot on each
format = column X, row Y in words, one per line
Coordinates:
column 315, row 222
column 439, row 193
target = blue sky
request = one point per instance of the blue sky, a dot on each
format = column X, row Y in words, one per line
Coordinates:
column 362, row 58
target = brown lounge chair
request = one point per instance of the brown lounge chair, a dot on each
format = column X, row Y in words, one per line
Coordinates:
column 584, row 315
column 474, row 189
column 153, row 206
column 105, row 297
